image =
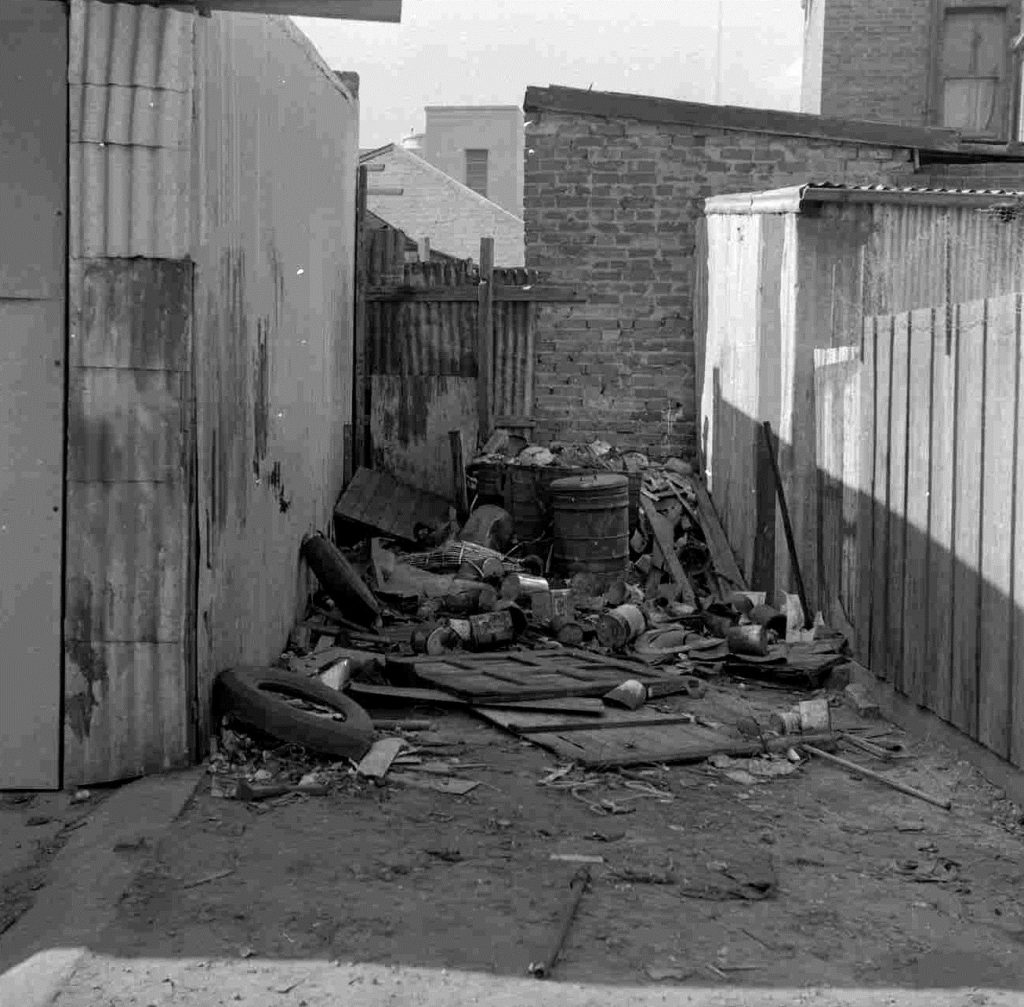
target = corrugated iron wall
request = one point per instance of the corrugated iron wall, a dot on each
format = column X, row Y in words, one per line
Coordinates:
column 274, row 156
column 422, row 359
column 129, row 614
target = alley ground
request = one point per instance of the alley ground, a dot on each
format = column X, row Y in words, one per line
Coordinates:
column 385, row 893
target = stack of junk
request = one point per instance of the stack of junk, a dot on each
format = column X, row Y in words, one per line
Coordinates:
column 572, row 588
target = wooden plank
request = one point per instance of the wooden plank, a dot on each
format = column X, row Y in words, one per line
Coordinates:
column 377, row 761
column 880, row 493
column 1016, row 704
column 967, row 446
column 459, row 492
column 722, row 557
column 663, row 534
column 916, row 599
column 852, row 481
column 865, row 497
column 897, row 498
column 996, row 616
column 485, row 339
column 539, row 293
column 938, row 648
column 360, row 366
column 829, row 449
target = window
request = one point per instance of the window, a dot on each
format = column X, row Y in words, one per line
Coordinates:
column 476, row 170
column 973, row 71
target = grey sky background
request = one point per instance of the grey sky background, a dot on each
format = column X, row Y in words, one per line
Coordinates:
column 486, row 52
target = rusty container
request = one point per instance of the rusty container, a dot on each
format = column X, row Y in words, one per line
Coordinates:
column 591, row 523
column 492, row 629
column 490, row 480
column 527, row 497
column 616, row 628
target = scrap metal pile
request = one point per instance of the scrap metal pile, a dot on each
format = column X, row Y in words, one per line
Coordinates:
column 581, row 588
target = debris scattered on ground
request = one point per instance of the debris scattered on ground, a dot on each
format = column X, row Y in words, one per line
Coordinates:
column 577, row 886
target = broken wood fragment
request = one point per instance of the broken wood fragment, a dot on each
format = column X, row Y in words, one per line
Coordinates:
column 662, row 531
column 377, row 761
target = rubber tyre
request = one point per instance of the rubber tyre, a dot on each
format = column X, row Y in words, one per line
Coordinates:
column 243, row 693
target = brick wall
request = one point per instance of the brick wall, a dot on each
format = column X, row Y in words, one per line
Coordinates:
column 983, row 175
column 874, row 59
column 612, row 204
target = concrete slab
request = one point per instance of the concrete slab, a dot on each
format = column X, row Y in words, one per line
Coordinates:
column 84, row 883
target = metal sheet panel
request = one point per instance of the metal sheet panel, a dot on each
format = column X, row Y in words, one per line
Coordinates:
column 33, row 155
column 129, row 597
column 275, row 154
column 33, row 167
column 130, row 75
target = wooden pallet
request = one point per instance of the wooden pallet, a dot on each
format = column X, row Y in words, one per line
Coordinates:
column 526, row 675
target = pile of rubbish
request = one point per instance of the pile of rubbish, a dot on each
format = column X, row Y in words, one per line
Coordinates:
column 639, row 583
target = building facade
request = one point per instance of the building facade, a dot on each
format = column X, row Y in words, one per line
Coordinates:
column 953, row 63
column 480, row 146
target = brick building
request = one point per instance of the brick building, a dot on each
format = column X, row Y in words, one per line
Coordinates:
column 614, row 193
column 433, row 205
column 952, row 63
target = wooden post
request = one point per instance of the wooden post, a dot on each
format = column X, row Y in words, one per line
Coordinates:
column 460, row 495
column 348, row 464
column 360, row 369
column 485, row 337
column 424, row 249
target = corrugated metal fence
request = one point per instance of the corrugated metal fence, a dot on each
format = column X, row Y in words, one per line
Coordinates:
column 422, row 337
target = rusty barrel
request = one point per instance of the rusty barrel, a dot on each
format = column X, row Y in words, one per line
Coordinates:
column 527, row 497
column 490, row 480
column 591, row 523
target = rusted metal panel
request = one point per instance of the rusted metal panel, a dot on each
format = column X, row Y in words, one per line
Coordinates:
column 33, row 165
column 128, row 586
column 411, row 417
column 130, row 76
column 274, row 205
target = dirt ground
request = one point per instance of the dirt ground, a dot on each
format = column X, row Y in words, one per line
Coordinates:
column 870, row 888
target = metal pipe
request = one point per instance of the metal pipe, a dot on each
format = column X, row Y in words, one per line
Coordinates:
column 578, row 885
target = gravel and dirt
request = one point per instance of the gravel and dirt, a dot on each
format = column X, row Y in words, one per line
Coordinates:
column 811, row 880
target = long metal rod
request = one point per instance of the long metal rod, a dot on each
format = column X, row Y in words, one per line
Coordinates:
column 872, row 775
column 787, row 525
column 577, row 887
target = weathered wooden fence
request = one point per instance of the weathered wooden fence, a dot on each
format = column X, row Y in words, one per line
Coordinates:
column 426, row 331
column 920, row 511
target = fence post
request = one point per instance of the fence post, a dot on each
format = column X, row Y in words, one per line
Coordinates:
column 360, row 370
column 485, row 337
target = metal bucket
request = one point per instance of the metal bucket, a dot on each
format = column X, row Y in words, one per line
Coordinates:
column 591, row 523
column 527, row 498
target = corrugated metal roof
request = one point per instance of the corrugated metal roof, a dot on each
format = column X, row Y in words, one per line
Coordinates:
column 793, row 198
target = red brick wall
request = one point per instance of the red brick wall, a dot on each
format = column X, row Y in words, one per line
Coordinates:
column 612, row 205
column 874, row 60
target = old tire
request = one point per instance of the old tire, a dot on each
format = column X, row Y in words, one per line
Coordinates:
column 253, row 697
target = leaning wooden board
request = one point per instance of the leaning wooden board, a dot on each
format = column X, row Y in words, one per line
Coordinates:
column 525, row 675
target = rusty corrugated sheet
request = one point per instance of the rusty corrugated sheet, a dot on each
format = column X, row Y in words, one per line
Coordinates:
column 130, row 73
column 128, row 594
column 422, row 360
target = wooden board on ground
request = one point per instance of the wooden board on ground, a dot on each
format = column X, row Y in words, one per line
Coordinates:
column 529, row 675
column 378, row 759
column 403, row 695
column 630, row 744
column 379, row 501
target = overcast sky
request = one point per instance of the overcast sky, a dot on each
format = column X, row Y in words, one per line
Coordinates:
column 486, row 52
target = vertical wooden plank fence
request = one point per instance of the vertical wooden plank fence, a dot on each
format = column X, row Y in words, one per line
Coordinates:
column 920, row 458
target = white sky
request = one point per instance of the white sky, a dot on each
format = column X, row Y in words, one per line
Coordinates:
column 486, row 52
